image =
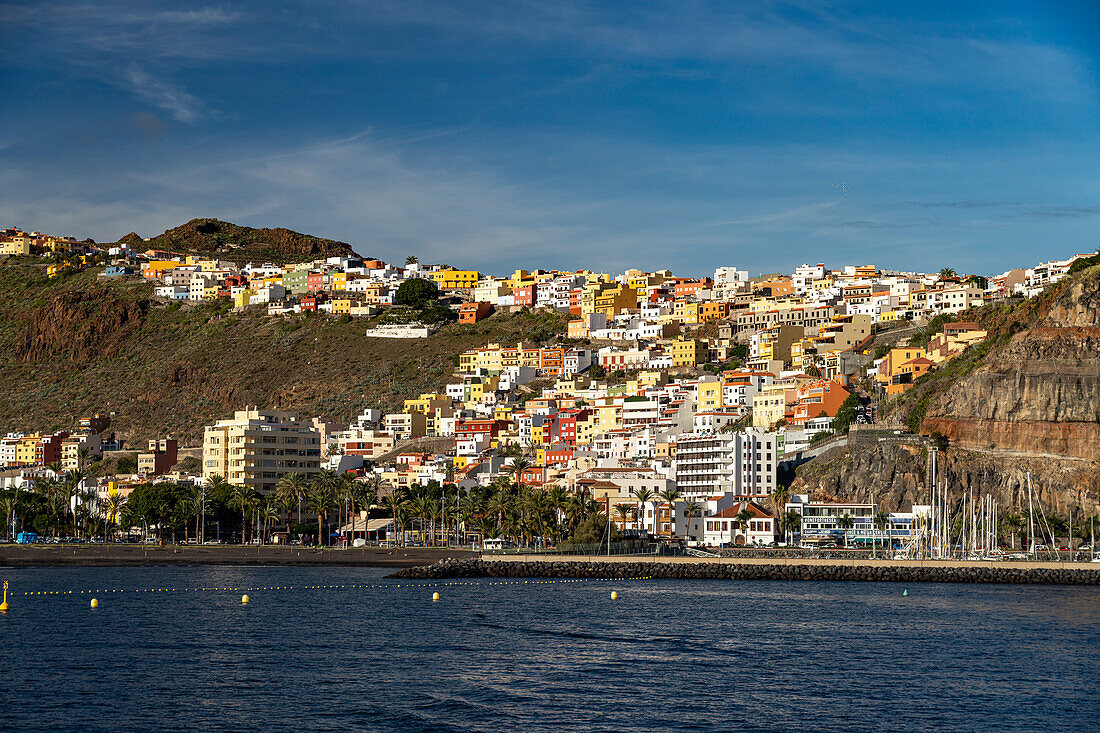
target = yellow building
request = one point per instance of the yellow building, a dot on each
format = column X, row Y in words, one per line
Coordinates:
column 341, row 306
column 15, row 246
column 426, row 403
column 25, row 449
column 709, row 396
column 243, row 298
column 712, row 311
column 613, row 300
column 339, row 281
column 452, row 279
column 769, row 406
column 688, row 352
column 890, row 366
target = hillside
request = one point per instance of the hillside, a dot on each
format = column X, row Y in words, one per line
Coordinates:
column 1026, row 400
column 236, row 243
column 83, row 345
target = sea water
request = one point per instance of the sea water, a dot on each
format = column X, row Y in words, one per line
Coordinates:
column 539, row 656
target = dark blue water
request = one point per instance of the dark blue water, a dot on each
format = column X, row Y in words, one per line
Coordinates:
column 539, row 657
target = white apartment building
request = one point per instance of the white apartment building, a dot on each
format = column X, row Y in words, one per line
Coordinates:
column 742, row 464
column 804, row 276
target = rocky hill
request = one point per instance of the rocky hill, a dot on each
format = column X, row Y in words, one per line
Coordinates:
column 1025, row 400
column 83, row 345
column 232, row 242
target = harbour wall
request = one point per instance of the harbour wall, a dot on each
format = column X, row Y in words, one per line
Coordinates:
column 796, row 569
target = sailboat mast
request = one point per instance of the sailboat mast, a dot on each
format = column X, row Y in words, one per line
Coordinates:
column 1030, row 519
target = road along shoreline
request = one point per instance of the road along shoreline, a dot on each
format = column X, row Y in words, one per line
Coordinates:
column 664, row 568
column 40, row 556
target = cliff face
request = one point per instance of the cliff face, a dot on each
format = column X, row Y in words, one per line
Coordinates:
column 1027, row 400
column 895, row 475
column 1040, row 392
column 79, row 326
column 212, row 235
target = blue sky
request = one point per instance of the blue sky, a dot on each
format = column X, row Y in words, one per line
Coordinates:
column 567, row 134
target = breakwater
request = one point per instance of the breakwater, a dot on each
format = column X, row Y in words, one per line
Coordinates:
column 910, row 572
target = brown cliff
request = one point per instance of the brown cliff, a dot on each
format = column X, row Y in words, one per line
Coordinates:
column 1039, row 393
column 1027, row 400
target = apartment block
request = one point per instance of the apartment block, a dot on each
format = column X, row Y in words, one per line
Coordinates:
column 256, row 448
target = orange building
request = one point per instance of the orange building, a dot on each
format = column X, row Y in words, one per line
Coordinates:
column 473, row 312
column 712, row 311
column 817, row 398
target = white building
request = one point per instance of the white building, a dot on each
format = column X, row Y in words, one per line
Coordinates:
column 742, row 464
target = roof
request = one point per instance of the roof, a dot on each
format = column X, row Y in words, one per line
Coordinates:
column 757, row 511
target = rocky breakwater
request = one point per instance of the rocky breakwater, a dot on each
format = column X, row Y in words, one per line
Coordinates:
column 901, row 573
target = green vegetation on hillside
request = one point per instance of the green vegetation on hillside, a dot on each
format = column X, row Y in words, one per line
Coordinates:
column 83, row 345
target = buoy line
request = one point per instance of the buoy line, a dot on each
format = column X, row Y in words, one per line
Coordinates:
column 363, row 586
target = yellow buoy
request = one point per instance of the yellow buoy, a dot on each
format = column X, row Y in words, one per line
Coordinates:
column 95, row 603
column 614, row 595
column 244, row 599
column 4, row 605
column 435, row 597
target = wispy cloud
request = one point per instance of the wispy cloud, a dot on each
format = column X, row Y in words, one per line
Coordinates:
column 165, row 95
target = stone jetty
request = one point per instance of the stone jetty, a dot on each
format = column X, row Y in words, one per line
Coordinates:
column 667, row 569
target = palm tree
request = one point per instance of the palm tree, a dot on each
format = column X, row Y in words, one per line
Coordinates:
column 691, row 511
column 947, row 272
column 412, row 260
column 198, row 503
column 742, row 519
column 882, row 520
column 269, row 513
column 395, row 503
column 792, row 521
column 241, row 498
column 780, row 497
column 346, row 490
column 291, row 489
column 1013, row 523
column 113, row 507
column 643, row 495
column 558, row 499
column 319, row 500
column 845, row 522
column 669, row 496
column 55, row 468
column 72, row 485
column 624, row 511
column 519, row 465
column 87, row 500
column 9, row 504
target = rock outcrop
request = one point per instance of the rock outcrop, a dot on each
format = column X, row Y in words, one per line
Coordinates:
column 80, row 326
column 212, row 235
column 894, row 474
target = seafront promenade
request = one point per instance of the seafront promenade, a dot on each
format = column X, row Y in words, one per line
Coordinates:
column 19, row 556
